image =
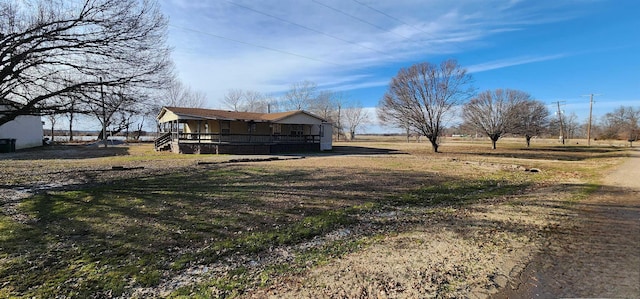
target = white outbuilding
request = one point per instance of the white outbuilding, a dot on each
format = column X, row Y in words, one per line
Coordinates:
column 24, row 131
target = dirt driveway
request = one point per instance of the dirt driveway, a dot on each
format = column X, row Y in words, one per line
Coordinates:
column 597, row 252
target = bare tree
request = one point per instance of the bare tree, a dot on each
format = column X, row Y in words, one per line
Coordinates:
column 423, row 95
column 330, row 106
column 115, row 107
column 300, row 96
column 355, row 117
column 247, row 101
column 572, row 125
column 178, row 94
column 234, row 99
column 386, row 118
column 495, row 112
column 53, row 118
column 324, row 105
column 622, row 123
column 532, row 119
column 255, row 101
column 57, row 49
column 73, row 108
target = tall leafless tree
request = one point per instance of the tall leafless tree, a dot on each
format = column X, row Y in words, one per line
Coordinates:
column 177, row 94
column 355, row 118
column 60, row 49
column 247, row 101
column 324, row 105
column 53, row 119
column 387, row 119
column 423, row 95
column 255, row 101
column 233, row 99
column 300, row 96
column 495, row 112
column 74, row 107
column 115, row 109
column 532, row 119
column 572, row 125
column 622, row 123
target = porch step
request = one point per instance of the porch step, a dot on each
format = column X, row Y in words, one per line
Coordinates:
column 163, row 142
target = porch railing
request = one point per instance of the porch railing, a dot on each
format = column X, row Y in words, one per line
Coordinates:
column 243, row 138
column 163, row 141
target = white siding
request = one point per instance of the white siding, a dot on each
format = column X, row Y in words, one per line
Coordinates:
column 26, row 130
column 300, row 118
column 168, row 116
column 326, row 141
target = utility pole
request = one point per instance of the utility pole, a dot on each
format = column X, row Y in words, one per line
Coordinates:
column 561, row 124
column 104, row 115
column 590, row 117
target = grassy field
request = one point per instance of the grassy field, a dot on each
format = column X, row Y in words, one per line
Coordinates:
column 169, row 227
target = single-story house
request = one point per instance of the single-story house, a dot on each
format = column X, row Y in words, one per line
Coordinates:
column 25, row 130
column 208, row 131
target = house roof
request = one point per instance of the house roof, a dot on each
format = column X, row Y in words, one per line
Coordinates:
column 232, row 115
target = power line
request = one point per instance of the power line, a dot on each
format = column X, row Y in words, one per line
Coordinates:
column 256, row 45
column 359, row 19
column 309, row 28
column 383, row 13
column 399, row 20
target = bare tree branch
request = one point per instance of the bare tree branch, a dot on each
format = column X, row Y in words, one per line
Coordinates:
column 59, row 49
column 532, row 119
column 300, row 96
column 355, row 118
column 422, row 96
column 495, row 112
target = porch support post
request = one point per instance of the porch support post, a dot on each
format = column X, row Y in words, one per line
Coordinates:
column 199, row 125
column 219, row 132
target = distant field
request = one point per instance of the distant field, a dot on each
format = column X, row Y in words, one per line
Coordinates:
column 168, row 227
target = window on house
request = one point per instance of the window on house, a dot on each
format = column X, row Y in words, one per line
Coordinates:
column 297, row 130
column 225, row 127
column 277, row 129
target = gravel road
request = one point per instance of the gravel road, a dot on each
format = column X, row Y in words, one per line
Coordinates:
column 597, row 252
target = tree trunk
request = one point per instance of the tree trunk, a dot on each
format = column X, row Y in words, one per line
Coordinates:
column 493, row 143
column 528, row 140
column 70, row 127
column 408, row 134
column 434, row 144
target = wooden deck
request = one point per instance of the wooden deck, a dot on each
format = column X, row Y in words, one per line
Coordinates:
column 216, row 143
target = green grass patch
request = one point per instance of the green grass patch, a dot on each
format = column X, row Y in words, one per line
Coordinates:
column 104, row 240
column 459, row 192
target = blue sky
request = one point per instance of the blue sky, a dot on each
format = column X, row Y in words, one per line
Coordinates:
column 556, row 50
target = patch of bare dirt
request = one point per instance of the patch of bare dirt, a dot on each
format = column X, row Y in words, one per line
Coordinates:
column 463, row 252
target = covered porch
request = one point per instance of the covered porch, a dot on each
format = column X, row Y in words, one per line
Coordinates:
column 248, row 133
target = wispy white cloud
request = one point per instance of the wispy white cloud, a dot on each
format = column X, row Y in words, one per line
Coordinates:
column 502, row 63
column 267, row 45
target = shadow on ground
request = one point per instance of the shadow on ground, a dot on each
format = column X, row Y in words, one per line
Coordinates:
column 361, row 150
column 66, row 152
column 568, row 153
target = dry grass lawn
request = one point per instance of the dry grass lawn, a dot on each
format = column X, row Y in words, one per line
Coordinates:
column 375, row 218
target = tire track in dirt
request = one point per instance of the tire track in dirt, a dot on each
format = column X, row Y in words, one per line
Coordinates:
column 596, row 253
